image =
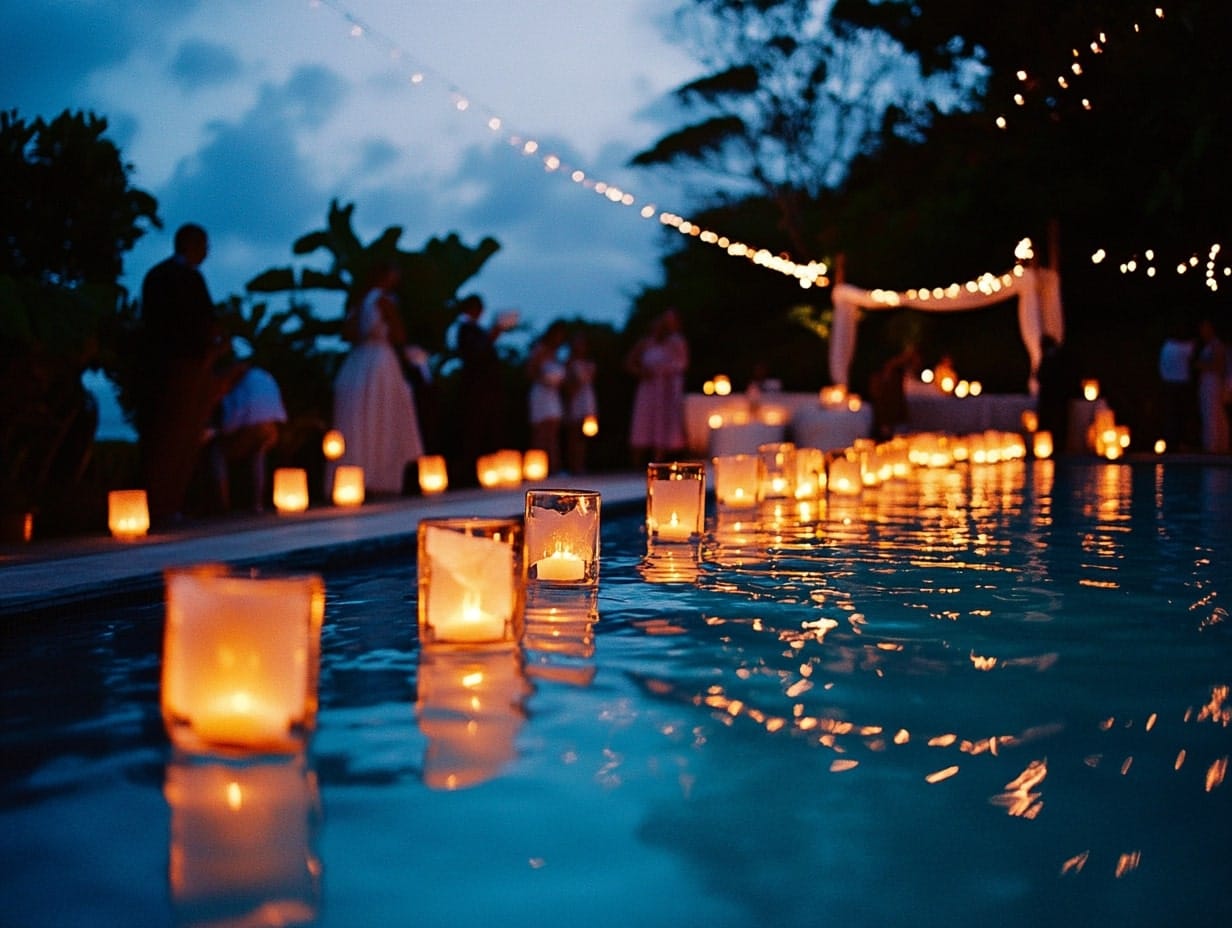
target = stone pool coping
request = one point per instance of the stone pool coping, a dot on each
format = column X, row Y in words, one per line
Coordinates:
column 53, row 574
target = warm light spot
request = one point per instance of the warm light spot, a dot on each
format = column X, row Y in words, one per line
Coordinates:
column 902, row 736
column 939, row 775
column 1075, row 863
column 235, row 796
column 1127, row 863
column 1128, row 762
column 1180, row 760
column 942, row 741
column 1216, row 772
column 841, row 765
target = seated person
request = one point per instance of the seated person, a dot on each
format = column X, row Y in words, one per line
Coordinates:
column 249, row 419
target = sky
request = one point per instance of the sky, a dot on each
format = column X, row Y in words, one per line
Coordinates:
column 250, row 116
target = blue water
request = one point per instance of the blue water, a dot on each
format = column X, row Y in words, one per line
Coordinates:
column 995, row 696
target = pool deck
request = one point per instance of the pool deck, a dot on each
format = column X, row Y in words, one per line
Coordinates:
column 46, row 574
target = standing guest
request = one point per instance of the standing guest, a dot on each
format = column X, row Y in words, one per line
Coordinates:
column 181, row 342
column 888, row 392
column 373, row 405
column 580, row 401
column 545, row 404
column 1178, row 394
column 480, row 390
column 658, row 360
column 1058, row 384
column 250, row 420
column 1210, row 365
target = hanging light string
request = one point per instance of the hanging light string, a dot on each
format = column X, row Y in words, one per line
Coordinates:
column 1145, row 261
column 1064, row 82
column 809, row 274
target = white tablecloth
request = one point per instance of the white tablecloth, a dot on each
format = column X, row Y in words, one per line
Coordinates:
column 830, row 427
column 946, row 413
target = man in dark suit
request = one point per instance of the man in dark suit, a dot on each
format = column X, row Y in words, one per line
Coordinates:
column 480, row 390
column 181, row 342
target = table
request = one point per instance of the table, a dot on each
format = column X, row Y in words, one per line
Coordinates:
column 947, row 413
column 831, row 427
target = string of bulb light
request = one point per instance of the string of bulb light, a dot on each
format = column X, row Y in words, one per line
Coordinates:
column 1144, row 261
column 807, row 274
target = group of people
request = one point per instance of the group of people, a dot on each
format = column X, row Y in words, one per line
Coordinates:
column 197, row 398
column 1195, row 372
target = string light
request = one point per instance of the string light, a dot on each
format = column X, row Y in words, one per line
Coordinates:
column 1146, row 262
column 807, row 274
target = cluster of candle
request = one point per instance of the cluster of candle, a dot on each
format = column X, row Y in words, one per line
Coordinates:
column 507, row 468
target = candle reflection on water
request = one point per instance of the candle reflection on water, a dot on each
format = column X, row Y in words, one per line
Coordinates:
column 242, row 848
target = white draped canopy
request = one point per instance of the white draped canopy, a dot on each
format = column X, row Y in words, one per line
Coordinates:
column 1037, row 289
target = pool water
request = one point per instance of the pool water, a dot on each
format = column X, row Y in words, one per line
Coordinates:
column 995, row 695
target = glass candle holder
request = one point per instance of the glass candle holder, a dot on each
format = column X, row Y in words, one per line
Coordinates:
column 290, row 489
column 243, row 841
column 240, row 659
column 675, row 501
column 810, row 473
column 472, row 579
column 735, row 480
column 487, row 471
column 509, row 467
column 433, row 474
column 1041, row 444
column 776, row 471
column 333, row 445
column 844, row 477
column 562, row 536
column 469, row 706
column 349, row 485
column 128, row 514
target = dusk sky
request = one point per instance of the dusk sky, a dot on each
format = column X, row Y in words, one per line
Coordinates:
column 249, row 117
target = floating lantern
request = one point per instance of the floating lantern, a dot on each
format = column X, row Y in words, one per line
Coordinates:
column 810, row 473
column 433, row 475
column 240, row 656
column 590, row 426
column 290, row 489
column 675, row 500
column 1041, row 445
column 776, row 471
column 535, row 464
column 348, row 485
column 128, row 514
column 333, row 445
column 471, row 581
column 242, row 841
column 470, row 707
column 562, row 539
column 735, row 480
column 844, row 478
column 1090, row 390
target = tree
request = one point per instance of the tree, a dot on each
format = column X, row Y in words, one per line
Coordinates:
column 67, row 217
column 431, row 277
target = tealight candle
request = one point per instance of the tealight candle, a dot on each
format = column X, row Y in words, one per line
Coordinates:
column 471, row 580
column 535, row 464
column 675, row 500
column 333, row 445
column 433, row 475
column 240, row 658
column 348, row 485
column 128, row 514
column 290, row 489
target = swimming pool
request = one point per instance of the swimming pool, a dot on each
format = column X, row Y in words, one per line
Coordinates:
column 994, row 695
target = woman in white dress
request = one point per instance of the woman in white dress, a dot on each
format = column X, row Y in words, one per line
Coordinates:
column 373, row 404
column 545, row 405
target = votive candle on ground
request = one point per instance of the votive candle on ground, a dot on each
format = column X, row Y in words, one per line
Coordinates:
column 433, row 474
column 349, row 485
column 128, row 514
column 290, row 489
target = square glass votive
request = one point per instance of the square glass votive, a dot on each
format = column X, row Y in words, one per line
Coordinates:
column 241, row 655
column 776, row 471
column 562, row 537
column 128, row 514
column 472, row 580
column 735, row 480
column 675, row 501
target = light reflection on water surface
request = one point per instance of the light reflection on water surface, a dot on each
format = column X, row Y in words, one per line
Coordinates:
column 988, row 694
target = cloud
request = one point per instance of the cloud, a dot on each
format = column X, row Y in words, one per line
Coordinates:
column 200, row 64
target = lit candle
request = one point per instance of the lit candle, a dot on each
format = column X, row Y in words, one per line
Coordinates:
column 128, row 514
column 333, row 445
column 735, row 480
column 239, row 658
column 348, row 485
column 535, row 464
column 487, row 471
column 675, row 500
column 1090, row 390
column 561, row 564
column 433, row 475
column 470, row 580
column 590, row 426
column 290, row 489
column 1042, row 444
